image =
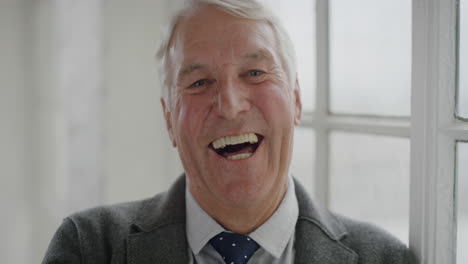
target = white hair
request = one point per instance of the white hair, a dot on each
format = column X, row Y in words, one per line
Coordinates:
column 250, row 9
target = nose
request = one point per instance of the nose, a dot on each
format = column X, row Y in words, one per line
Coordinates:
column 231, row 99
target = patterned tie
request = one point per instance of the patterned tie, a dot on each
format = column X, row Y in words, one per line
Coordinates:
column 234, row 248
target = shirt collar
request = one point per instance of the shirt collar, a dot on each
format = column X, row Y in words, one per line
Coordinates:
column 200, row 226
column 273, row 236
column 275, row 233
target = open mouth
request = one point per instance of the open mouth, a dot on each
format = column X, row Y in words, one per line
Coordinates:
column 237, row 147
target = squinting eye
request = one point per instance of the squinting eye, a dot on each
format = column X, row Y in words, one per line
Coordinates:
column 199, row 83
column 255, row 73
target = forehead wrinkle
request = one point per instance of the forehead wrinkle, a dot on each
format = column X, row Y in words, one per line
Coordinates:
column 257, row 55
column 183, row 39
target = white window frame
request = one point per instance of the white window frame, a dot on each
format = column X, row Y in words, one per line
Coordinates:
column 433, row 129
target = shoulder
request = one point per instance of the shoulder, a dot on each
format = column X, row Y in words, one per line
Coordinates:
column 372, row 243
column 116, row 220
column 95, row 235
column 115, row 214
column 98, row 235
column 104, row 223
column 108, row 217
column 164, row 207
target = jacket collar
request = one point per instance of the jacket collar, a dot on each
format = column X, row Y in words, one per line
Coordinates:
column 163, row 209
column 319, row 234
column 158, row 234
column 321, row 217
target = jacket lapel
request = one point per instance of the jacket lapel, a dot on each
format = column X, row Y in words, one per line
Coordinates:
column 318, row 234
column 163, row 245
column 313, row 246
column 158, row 233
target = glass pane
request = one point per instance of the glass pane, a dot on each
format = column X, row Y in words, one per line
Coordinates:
column 298, row 17
column 463, row 61
column 370, row 57
column 462, row 175
column 369, row 180
column 303, row 160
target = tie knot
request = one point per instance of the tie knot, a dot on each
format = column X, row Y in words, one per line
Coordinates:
column 234, row 248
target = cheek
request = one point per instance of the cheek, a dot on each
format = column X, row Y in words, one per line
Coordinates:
column 276, row 105
column 190, row 116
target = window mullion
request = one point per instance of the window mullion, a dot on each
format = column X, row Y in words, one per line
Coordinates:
column 395, row 127
column 458, row 130
column 432, row 149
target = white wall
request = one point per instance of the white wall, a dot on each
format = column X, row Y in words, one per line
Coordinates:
column 138, row 158
column 73, row 71
column 14, row 159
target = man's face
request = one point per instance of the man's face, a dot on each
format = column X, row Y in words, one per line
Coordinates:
column 232, row 112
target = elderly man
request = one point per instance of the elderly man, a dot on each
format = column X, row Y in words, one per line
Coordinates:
column 231, row 102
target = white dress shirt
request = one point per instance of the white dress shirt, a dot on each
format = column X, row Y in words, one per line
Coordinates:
column 275, row 237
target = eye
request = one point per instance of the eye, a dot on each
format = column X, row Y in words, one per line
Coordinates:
column 255, row 73
column 199, row 83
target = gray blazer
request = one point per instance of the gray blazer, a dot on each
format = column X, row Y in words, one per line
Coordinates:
column 153, row 231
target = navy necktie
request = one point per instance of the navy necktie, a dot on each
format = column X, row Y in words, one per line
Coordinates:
column 234, row 248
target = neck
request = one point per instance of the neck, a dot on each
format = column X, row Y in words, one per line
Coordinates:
column 244, row 219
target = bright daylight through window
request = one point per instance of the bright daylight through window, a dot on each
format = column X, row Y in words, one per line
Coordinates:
column 303, row 160
column 370, row 57
column 370, row 179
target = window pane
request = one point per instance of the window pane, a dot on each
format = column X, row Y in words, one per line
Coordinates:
column 370, row 57
column 298, row 17
column 369, row 180
column 462, row 175
column 303, row 161
column 463, row 61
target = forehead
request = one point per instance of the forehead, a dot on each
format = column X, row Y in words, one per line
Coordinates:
column 210, row 32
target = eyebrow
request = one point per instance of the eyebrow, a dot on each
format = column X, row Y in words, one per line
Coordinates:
column 259, row 55
column 188, row 69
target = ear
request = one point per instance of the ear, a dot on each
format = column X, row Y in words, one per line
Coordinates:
column 167, row 117
column 298, row 103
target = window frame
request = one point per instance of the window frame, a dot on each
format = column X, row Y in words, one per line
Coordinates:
column 433, row 128
column 458, row 28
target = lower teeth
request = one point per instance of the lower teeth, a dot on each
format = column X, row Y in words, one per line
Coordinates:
column 239, row 156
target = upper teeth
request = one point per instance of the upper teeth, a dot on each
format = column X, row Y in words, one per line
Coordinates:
column 234, row 140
